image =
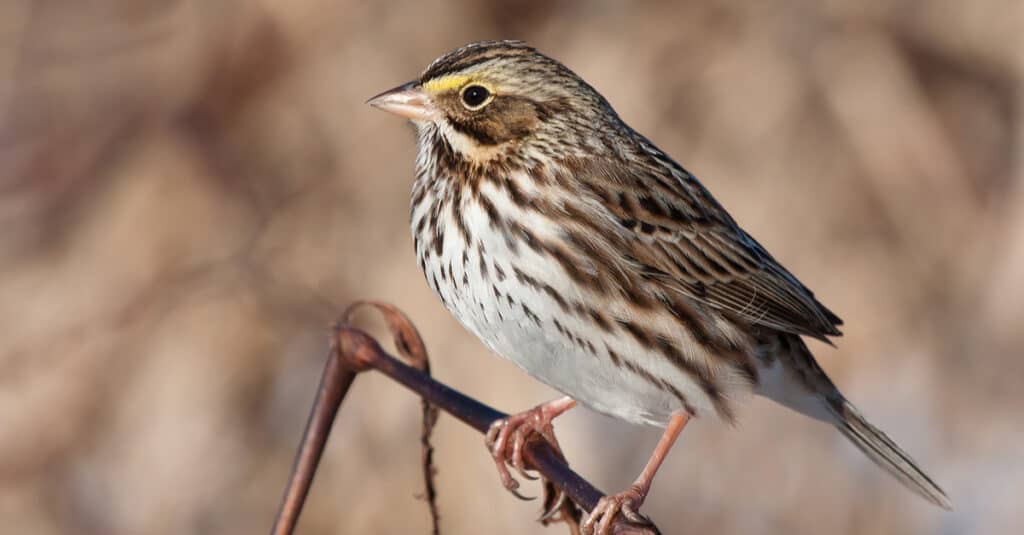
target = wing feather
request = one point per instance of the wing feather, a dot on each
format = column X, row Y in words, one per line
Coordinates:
column 684, row 239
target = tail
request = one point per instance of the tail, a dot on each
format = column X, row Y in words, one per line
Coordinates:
column 885, row 453
column 794, row 366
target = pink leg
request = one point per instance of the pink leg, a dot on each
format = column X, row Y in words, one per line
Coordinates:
column 518, row 428
column 628, row 502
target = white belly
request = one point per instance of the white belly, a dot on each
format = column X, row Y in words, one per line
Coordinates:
column 526, row 325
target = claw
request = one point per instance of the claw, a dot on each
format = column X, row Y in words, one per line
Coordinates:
column 517, row 454
column 511, row 484
column 521, row 496
column 555, row 507
column 520, row 428
column 626, row 503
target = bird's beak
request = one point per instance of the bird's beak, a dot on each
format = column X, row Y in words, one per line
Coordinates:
column 407, row 100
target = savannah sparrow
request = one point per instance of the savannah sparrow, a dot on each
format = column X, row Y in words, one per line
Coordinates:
column 571, row 245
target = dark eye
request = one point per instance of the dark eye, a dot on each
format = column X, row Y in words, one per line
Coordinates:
column 474, row 96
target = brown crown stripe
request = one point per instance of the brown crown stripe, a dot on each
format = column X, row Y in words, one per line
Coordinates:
column 466, row 57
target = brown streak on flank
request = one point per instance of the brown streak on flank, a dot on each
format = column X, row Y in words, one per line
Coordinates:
column 700, row 374
column 613, row 355
column 557, row 297
column 530, row 314
column 484, row 273
column 568, row 264
column 522, row 277
column 607, row 264
column 662, row 385
column 642, row 337
column 496, row 221
column 670, row 351
column 436, row 243
column 514, row 193
column 637, row 297
column 421, row 223
column 460, row 223
column 679, row 395
column 600, row 320
column 692, row 324
column 748, row 370
column 543, row 287
column 717, row 398
column 531, row 240
column 418, row 194
column 499, row 272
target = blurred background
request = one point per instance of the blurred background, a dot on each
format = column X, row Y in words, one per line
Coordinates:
column 190, row 191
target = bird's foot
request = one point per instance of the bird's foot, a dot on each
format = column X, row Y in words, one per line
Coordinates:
column 626, row 503
column 507, row 437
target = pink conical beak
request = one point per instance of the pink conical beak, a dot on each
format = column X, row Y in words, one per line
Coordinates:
column 407, row 100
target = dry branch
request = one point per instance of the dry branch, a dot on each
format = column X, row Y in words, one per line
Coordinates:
column 353, row 351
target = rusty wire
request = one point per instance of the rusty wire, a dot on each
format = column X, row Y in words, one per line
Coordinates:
column 353, row 351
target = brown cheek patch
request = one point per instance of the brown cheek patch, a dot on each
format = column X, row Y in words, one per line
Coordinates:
column 504, row 119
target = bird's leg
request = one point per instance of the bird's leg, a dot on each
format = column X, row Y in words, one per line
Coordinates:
column 506, row 438
column 628, row 502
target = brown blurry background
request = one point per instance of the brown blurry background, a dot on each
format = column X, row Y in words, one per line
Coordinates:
column 191, row 190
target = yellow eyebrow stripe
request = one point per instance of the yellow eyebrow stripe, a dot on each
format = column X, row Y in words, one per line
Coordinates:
column 445, row 83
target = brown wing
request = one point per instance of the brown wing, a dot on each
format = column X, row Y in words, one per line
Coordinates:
column 683, row 238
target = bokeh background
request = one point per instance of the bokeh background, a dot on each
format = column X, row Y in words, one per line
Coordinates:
column 191, row 190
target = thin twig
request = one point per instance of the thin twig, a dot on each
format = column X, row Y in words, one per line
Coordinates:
column 354, row 351
column 410, row 345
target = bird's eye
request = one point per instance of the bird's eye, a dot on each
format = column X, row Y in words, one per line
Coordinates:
column 475, row 96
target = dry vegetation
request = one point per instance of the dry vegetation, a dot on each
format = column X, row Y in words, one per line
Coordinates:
column 189, row 190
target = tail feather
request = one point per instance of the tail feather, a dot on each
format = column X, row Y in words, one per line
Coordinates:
column 885, row 453
column 819, row 398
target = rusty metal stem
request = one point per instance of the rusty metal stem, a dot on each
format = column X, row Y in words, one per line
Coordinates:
column 334, row 384
column 480, row 417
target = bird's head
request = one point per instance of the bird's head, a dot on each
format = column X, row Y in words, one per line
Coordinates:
column 490, row 96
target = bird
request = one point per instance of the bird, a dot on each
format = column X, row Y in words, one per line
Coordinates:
column 571, row 245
